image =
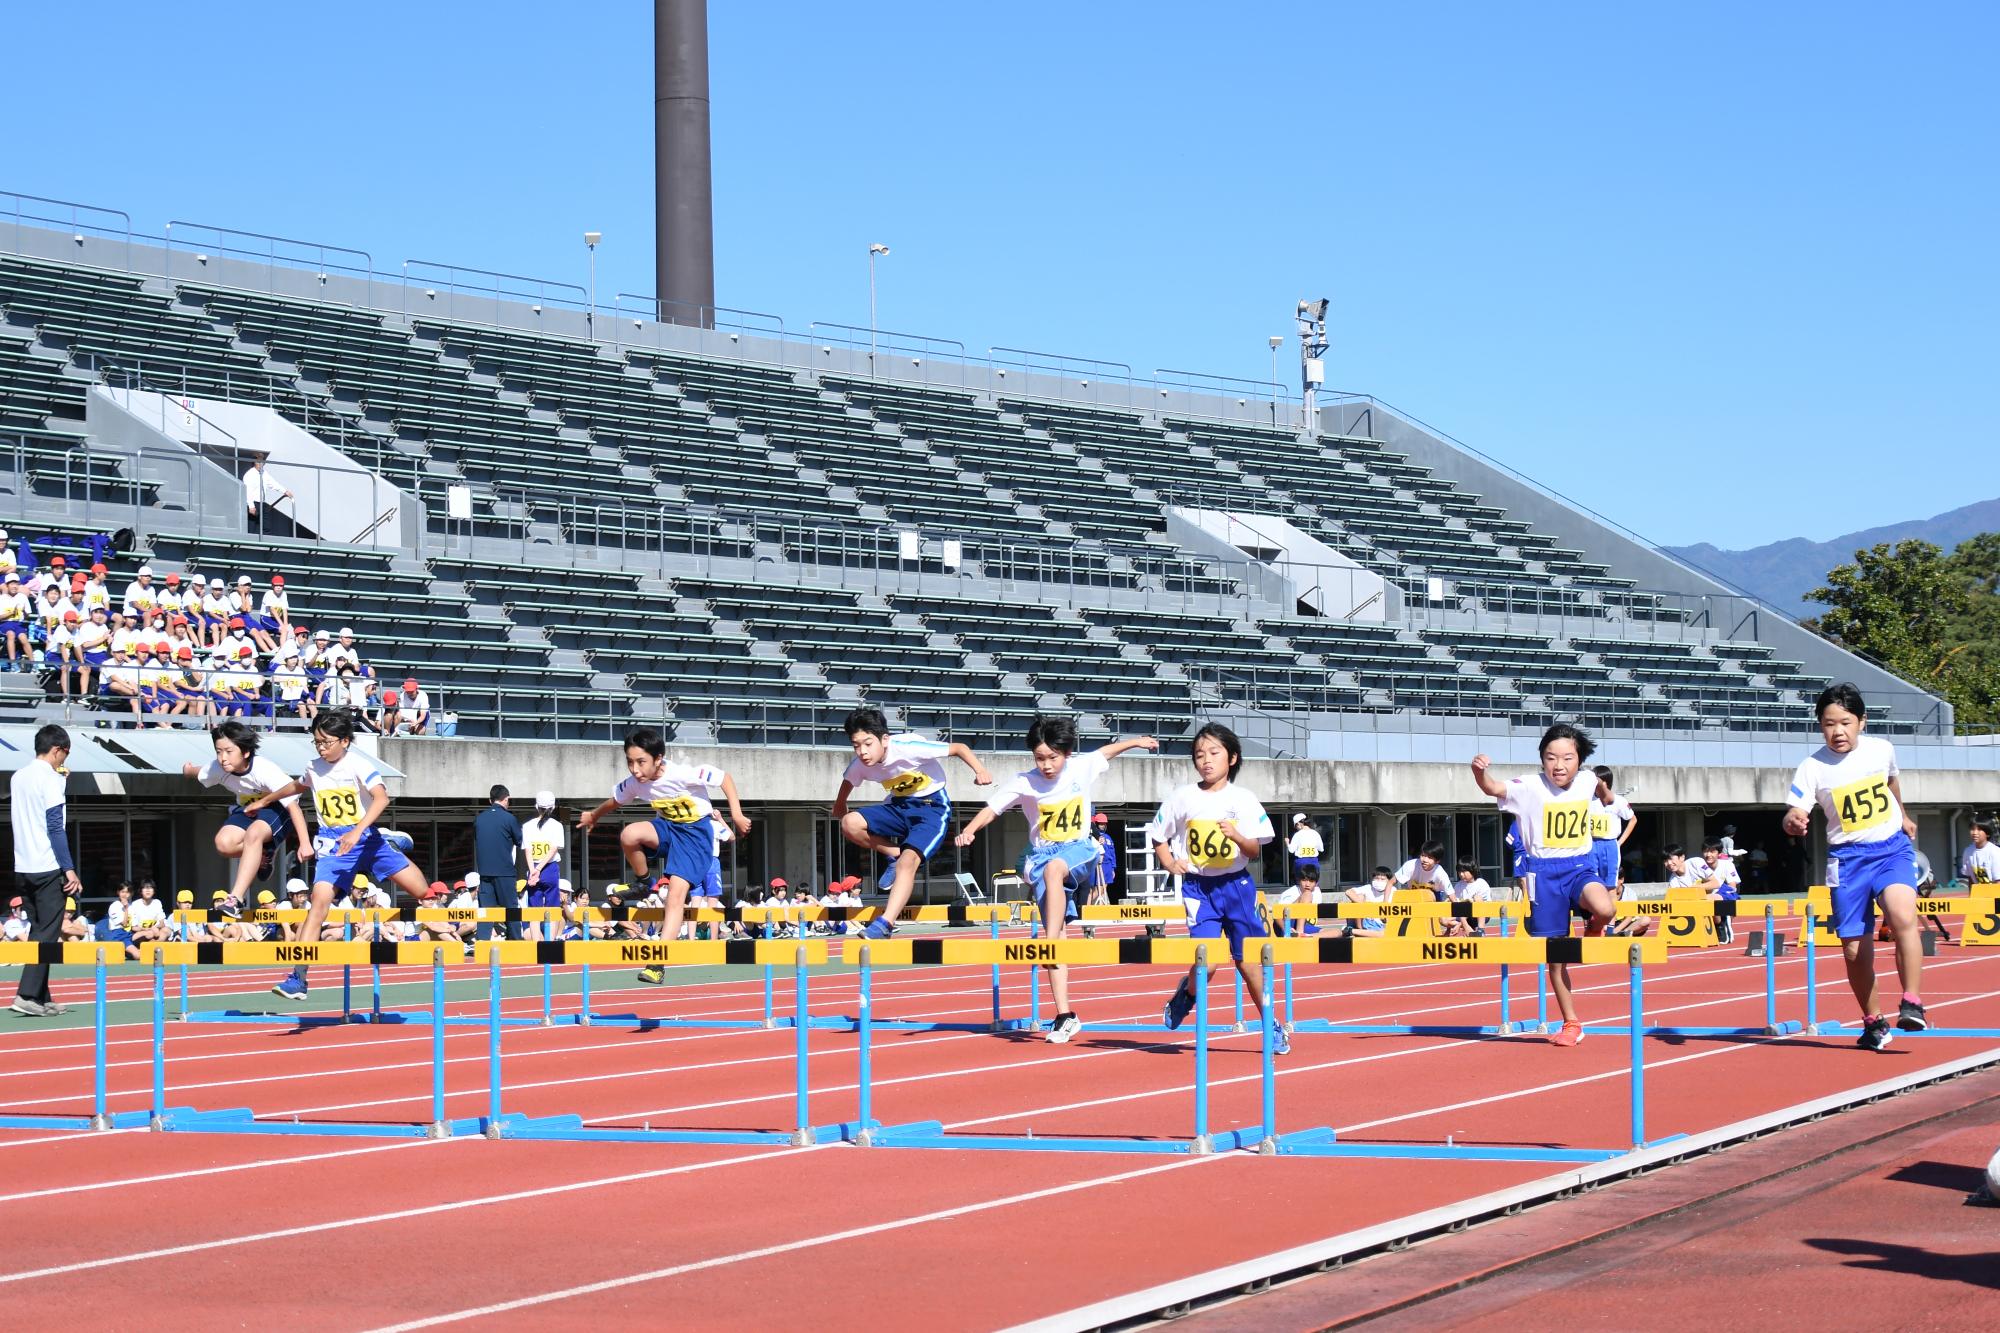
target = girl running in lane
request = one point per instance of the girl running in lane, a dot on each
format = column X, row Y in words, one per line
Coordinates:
column 1209, row 833
column 1870, row 836
column 239, row 770
column 1552, row 813
column 1055, row 797
column 349, row 796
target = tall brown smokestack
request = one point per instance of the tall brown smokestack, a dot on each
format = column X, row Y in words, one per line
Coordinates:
column 684, row 211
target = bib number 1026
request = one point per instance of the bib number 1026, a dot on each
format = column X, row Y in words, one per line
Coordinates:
column 1565, row 825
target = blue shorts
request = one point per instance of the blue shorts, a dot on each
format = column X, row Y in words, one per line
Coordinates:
column 1224, row 905
column 1081, row 854
column 268, row 817
column 1605, row 853
column 372, row 856
column 544, row 895
column 688, row 849
column 711, row 884
column 96, row 657
column 1559, row 885
column 13, row 627
column 1866, row 869
column 1300, row 862
column 916, row 822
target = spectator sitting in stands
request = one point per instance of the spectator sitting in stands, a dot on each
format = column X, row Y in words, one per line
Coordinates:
column 170, row 601
column 14, row 615
column 343, row 650
column 243, row 607
column 1377, row 890
column 315, row 662
column 116, row 928
column 215, row 611
column 288, row 684
column 140, row 596
column 146, row 918
column 97, row 590
column 75, row 928
column 413, row 716
column 15, row 929
column 62, row 652
column 92, row 649
column 447, row 932
column 575, row 909
column 119, row 681
column 296, row 895
column 385, row 717
column 348, row 689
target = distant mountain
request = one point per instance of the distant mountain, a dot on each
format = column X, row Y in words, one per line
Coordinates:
column 1782, row 573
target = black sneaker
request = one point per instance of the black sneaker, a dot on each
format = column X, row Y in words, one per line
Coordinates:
column 1876, row 1035
column 1910, row 1017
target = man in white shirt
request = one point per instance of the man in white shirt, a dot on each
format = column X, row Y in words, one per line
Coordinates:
column 413, row 714
column 44, row 874
column 260, row 488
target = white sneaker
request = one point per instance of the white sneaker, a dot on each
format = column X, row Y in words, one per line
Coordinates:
column 1065, row 1027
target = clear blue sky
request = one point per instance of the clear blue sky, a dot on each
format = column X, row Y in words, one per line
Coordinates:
column 1724, row 272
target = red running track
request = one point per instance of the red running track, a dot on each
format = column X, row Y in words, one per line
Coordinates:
column 236, row 1229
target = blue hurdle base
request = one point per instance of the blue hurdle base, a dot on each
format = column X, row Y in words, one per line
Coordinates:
column 1785, row 1029
column 1325, row 1026
column 1853, row 1029
column 571, row 1129
column 1322, row 1142
column 931, row 1134
column 116, row 1120
column 242, row 1120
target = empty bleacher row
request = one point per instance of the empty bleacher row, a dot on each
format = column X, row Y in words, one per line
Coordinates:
column 583, row 446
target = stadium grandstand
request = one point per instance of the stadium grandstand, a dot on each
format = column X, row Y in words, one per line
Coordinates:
column 559, row 521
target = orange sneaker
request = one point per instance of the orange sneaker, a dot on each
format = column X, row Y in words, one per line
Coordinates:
column 1571, row 1034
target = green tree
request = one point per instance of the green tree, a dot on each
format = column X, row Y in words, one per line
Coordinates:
column 1932, row 619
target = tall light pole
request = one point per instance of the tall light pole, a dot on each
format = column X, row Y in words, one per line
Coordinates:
column 590, row 239
column 1276, row 341
column 876, row 248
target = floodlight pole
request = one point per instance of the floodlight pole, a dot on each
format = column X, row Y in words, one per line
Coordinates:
column 874, row 249
column 1312, row 352
column 590, row 240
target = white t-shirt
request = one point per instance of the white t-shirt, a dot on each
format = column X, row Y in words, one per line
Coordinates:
column 1058, row 808
column 1189, row 821
column 1412, row 872
column 16, row 928
column 1556, row 823
column 1722, row 877
column 679, row 795
column 912, row 765
column 1306, row 844
column 264, row 776
column 145, row 913
column 1980, row 865
column 544, row 838
column 34, row 790
column 1694, row 874
column 139, row 599
column 1853, row 790
column 340, row 792
column 1607, row 822
column 1478, row 891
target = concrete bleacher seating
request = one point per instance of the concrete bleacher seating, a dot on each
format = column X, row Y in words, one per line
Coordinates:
column 1070, row 593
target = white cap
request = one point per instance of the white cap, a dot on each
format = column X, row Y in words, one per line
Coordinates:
column 563, row 886
column 1298, row 819
column 472, row 879
column 242, row 579
column 346, row 630
column 3, row 534
column 545, row 800
column 145, row 571
column 293, row 886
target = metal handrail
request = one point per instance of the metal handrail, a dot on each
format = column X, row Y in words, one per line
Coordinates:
column 74, row 221
column 272, row 256
column 711, row 312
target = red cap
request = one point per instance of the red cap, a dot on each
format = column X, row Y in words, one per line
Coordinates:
column 97, row 569
column 779, row 884
column 849, row 882
column 277, row 580
column 437, row 889
column 16, row 902
column 390, row 696
column 411, row 684
column 57, row 562
column 246, row 651
column 177, row 620
column 236, row 622
column 77, row 582
column 1100, row 818
column 185, row 653
column 69, row 616
column 172, row 579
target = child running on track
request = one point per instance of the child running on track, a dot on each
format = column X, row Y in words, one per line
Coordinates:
column 679, row 829
column 908, row 826
column 348, row 797
column 1612, row 824
column 239, row 770
column 1870, row 836
column 1055, row 797
column 1552, row 810
column 1208, row 832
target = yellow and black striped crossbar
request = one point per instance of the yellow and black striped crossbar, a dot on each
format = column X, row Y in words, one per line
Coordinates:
column 1519, row 950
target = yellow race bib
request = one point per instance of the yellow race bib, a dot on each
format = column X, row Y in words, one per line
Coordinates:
column 1209, row 848
column 679, row 810
column 1566, row 826
column 339, row 806
column 1600, row 826
column 1863, row 805
column 1060, row 821
column 540, row 851
column 907, row 784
